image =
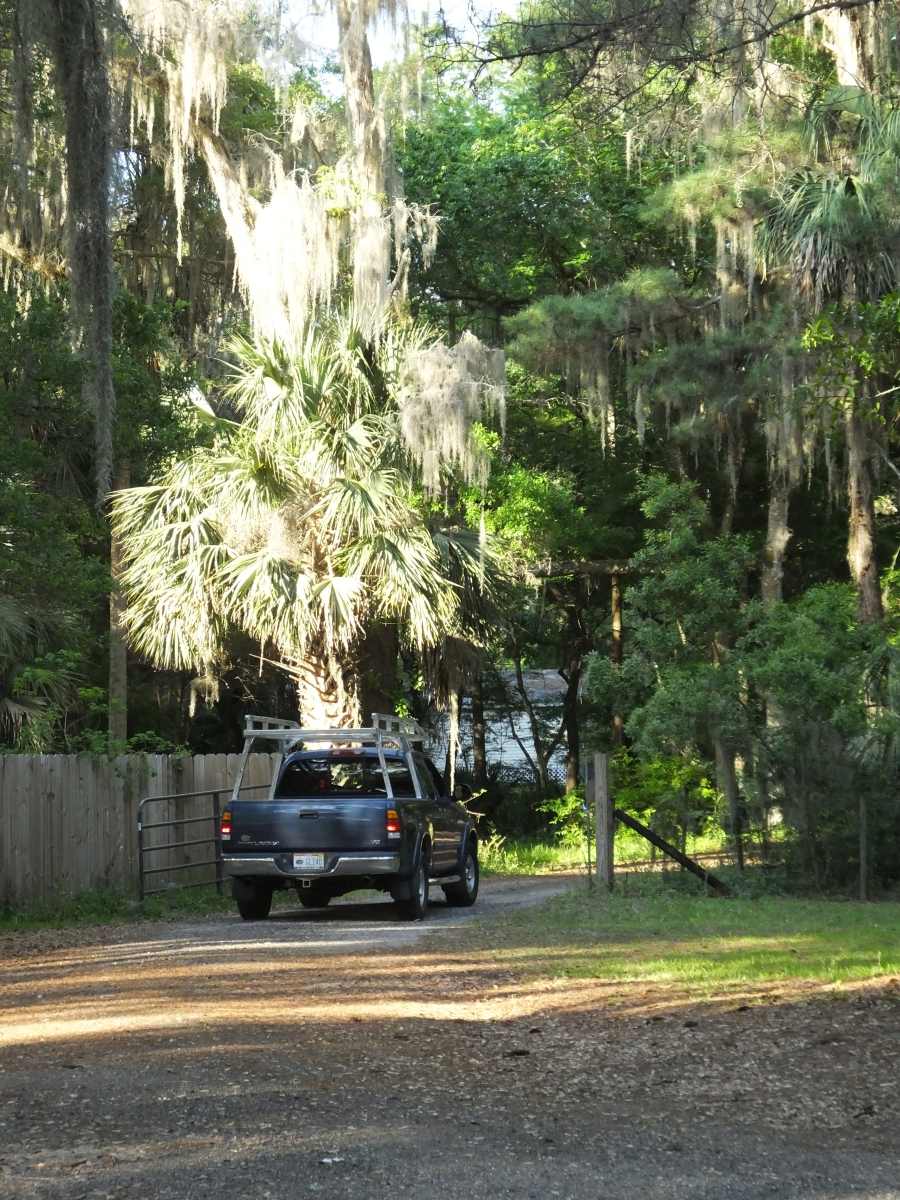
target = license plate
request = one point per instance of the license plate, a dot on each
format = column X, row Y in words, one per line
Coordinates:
column 309, row 862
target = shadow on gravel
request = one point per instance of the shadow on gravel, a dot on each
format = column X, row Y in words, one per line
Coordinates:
column 223, row 1057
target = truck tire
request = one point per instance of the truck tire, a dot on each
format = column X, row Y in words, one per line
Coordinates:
column 313, row 898
column 254, row 900
column 465, row 893
column 416, row 907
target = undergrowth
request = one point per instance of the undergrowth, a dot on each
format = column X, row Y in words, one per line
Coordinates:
column 103, row 906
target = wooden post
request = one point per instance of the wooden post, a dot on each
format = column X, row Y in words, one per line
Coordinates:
column 605, row 823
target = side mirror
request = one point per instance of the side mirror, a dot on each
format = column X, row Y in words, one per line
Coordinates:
column 461, row 793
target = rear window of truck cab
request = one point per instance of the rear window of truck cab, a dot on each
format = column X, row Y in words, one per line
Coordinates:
column 341, row 775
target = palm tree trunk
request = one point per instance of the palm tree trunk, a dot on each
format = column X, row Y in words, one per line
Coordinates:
column 861, row 555
column 326, row 693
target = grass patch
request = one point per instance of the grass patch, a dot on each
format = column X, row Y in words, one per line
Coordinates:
column 523, row 856
column 667, row 937
column 631, row 847
column 498, row 855
column 106, row 907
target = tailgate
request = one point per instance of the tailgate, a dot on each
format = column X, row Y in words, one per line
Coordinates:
column 353, row 824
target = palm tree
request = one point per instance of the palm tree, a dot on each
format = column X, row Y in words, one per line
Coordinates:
column 300, row 525
column 31, row 692
column 833, row 225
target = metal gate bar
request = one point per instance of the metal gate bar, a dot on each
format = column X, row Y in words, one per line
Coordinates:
column 213, row 840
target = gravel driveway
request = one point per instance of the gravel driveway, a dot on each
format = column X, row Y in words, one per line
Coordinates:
column 347, row 1053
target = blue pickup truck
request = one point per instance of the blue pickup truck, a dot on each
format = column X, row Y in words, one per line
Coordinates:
column 348, row 809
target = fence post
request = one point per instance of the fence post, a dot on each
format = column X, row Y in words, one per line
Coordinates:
column 217, row 842
column 140, row 850
column 605, row 823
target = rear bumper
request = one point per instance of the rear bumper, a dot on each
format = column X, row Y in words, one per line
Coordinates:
column 336, row 864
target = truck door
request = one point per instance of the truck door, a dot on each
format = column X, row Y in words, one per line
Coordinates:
column 446, row 820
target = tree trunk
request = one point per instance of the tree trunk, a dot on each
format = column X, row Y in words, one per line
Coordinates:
column 861, row 555
column 371, row 248
column 735, row 460
column 727, row 774
column 117, row 693
column 778, row 537
column 327, row 693
column 542, row 752
column 479, row 735
column 573, row 731
column 616, row 648
column 456, row 702
column 79, row 56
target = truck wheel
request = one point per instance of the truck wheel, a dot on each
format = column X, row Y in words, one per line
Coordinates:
column 465, row 893
column 254, row 900
column 416, row 907
column 313, row 898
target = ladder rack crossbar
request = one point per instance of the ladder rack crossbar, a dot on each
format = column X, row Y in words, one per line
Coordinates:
column 400, row 731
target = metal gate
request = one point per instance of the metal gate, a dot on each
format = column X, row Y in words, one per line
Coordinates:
column 210, row 818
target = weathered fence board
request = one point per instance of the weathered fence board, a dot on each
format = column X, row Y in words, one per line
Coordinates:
column 68, row 822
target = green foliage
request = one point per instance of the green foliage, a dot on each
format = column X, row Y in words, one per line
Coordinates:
column 687, row 609
column 571, row 819
column 562, row 196
column 251, row 107
column 807, row 59
column 832, row 731
column 853, row 342
column 555, row 332
column 53, row 555
column 677, row 792
column 534, row 512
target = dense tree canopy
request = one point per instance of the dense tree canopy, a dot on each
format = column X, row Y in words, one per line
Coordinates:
column 679, row 221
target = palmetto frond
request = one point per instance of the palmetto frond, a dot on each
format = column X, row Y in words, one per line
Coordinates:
column 831, row 233
column 834, row 226
column 300, row 523
column 15, row 628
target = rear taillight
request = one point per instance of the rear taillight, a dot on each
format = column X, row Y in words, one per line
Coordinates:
column 225, row 825
column 392, row 823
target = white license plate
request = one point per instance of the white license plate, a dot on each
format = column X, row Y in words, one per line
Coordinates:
column 309, row 862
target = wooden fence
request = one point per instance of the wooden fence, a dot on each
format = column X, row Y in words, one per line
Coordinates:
column 68, row 822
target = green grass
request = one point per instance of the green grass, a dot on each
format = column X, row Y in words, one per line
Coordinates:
column 666, row 937
column 520, row 856
column 525, row 856
column 106, row 907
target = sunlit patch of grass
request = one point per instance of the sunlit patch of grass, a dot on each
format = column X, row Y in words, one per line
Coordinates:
column 536, row 856
column 701, row 944
column 519, row 856
column 631, row 847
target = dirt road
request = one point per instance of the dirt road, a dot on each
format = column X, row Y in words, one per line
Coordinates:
column 346, row 1053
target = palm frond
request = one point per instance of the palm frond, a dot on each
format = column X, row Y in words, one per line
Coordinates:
column 299, row 524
